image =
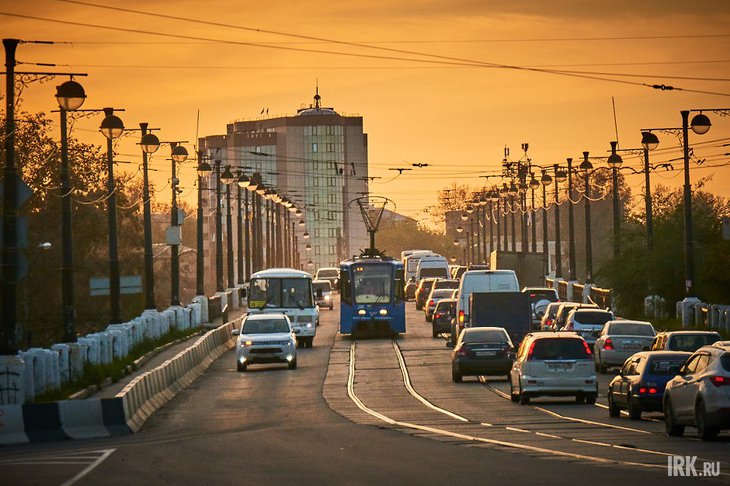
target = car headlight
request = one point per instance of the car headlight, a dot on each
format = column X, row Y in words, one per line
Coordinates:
column 361, row 312
column 327, row 297
column 245, row 343
column 383, row 312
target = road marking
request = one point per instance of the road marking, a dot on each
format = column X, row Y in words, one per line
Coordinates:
column 484, row 440
column 407, row 382
column 90, row 468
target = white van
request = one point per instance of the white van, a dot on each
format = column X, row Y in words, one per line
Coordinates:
column 482, row 281
column 432, row 266
column 410, row 264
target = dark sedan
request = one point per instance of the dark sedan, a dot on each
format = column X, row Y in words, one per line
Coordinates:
column 482, row 351
column 445, row 311
column 639, row 387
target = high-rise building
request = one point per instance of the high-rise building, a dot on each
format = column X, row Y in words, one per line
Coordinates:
column 318, row 159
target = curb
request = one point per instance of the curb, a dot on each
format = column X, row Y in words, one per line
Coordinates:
column 123, row 414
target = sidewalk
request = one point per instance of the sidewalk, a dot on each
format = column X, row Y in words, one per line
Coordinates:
column 162, row 354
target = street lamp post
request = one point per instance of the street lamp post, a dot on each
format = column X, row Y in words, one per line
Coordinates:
column 545, row 180
column 586, row 167
column 649, row 141
column 203, row 170
column 571, row 224
column 219, row 285
column 150, row 144
column 70, row 96
column 112, row 128
column 178, row 155
column 228, row 178
column 615, row 162
column 534, row 184
column 560, row 176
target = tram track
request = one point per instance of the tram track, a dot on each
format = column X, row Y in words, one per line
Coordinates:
column 599, row 449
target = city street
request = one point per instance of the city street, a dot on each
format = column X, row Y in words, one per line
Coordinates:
column 273, row 425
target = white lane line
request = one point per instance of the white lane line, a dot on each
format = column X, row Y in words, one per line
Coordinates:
column 566, row 417
column 515, row 429
column 407, row 382
column 513, row 445
column 90, row 468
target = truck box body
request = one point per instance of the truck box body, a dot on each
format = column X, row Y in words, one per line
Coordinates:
column 510, row 310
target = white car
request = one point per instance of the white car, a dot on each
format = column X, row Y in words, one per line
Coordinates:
column 699, row 396
column 265, row 338
column 619, row 339
column 553, row 364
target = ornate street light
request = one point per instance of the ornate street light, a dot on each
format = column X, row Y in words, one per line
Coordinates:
column 614, row 162
column 203, row 170
column 149, row 144
column 227, row 177
column 586, row 167
column 70, row 96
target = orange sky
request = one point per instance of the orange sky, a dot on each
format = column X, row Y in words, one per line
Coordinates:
column 458, row 119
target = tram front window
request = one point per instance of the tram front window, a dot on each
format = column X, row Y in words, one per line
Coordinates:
column 372, row 284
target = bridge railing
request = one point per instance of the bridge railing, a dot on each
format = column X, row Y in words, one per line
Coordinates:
column 572, row 291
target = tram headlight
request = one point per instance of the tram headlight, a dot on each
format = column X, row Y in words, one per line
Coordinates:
column 361, row 312
column 383, row 312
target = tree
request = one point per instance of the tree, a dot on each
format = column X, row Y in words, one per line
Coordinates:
column 396, row 236
column 637, row 274
column 38, row 162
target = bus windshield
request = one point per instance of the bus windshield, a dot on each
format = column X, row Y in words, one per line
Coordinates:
column 372, row 283
column 288, row 293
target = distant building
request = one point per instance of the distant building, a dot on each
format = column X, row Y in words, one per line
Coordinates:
column 317, row 158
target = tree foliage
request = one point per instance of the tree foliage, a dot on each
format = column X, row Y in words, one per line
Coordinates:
column 396, row 236
column 638, row 273
column 38, row 162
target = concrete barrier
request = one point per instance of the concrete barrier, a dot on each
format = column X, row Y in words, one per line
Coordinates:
column 64, row 372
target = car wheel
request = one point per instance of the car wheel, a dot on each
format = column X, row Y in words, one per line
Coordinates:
column 671, row 426
column 455, row 375
column 613, row 409
column 434, row 332
column 240, row 366
column 293, row 364
column 512, row 395
column 706, row 433
column 310, row 341
column 634, row 409
column 524, row 397
column 591, row 398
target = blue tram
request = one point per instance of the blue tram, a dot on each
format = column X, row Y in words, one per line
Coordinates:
column 371, row 296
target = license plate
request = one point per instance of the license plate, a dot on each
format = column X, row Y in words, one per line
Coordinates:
column 486, row 353
column 631, row 346
column 296, row 331
column 559, row 366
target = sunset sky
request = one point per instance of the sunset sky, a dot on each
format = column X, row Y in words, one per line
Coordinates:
column 454, row 109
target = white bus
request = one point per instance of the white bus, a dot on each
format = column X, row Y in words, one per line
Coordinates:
column 287, row 291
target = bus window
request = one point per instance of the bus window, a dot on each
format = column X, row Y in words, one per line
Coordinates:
column 265, row 293
column 399, row 286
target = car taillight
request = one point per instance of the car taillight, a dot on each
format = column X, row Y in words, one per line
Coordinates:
column 587, row 348
column 437, row 315
column 431, row 303
column 719, row 381
column 644, row 390
column 461, row 317
column 532, row 348
column 463, row 351
column 608, row 344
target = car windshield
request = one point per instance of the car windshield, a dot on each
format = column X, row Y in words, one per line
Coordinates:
column 447, row 284
column 290, row 293
column 372, row 283
column 592, row 318
column 691, row 342
column 632, row 329
column 725, row 361
column 328, row 273
column 560, row 348
column 664, row 366
column 442, row 293
column 485, row 336
column 264, row 326
column 538, row 295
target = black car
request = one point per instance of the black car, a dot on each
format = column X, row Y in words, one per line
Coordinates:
column 441, row 321
column 482, row 351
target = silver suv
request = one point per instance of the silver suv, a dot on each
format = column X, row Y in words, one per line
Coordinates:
column 265, row 338
column 553, row 364
column 699, row 396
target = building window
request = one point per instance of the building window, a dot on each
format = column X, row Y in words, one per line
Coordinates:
column 314, row 147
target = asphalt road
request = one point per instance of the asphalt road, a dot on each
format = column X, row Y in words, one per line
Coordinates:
column 271, row 425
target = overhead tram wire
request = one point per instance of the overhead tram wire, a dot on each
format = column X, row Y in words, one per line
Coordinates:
column 444, row 59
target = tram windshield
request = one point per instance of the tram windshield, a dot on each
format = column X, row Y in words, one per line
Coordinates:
column 372, row 283
column 293, row 293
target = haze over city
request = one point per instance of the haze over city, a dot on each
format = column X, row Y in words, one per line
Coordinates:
column 448, row 85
